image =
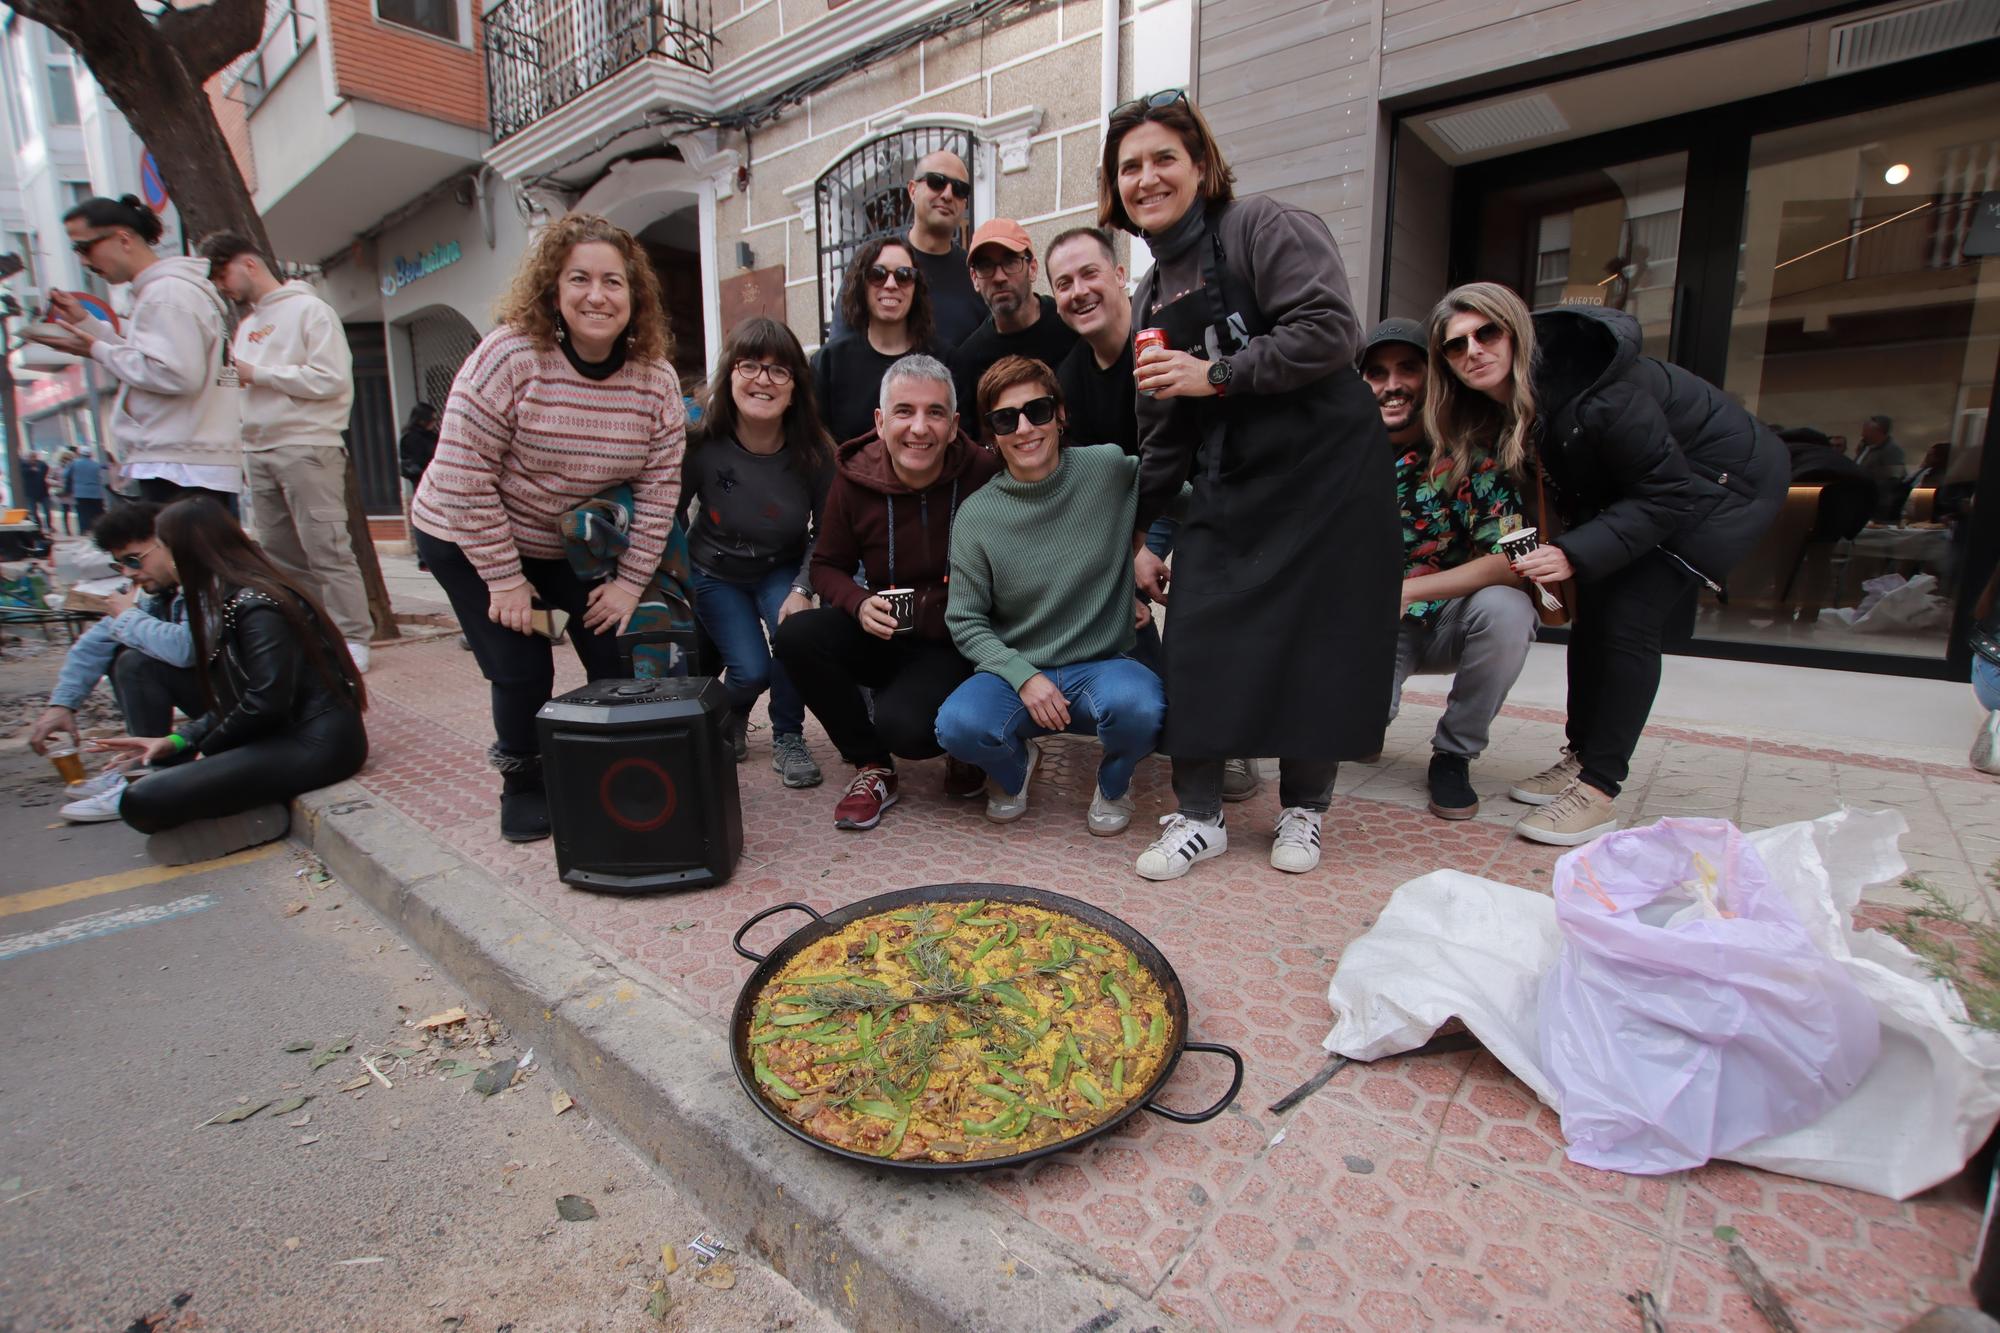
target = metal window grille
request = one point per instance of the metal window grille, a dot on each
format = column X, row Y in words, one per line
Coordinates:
column 865, row 195
column 543, row 54
column 440, row 340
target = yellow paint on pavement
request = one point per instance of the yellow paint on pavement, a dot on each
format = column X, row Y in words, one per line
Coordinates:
column 36, row 899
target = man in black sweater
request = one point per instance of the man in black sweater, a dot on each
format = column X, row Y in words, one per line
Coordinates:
column 1003, row 267
column 1096, row 376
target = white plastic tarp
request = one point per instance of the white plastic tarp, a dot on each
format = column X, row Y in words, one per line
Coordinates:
column 1452, row 945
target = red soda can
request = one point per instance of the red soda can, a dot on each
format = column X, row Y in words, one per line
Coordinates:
column 1145, row 338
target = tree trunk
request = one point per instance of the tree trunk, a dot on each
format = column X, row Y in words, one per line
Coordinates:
column 379, row 609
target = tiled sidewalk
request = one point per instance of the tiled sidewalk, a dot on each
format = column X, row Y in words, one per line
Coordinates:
column 1418, row 1191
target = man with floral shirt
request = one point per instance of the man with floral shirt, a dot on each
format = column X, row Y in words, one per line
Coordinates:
column 1464, row 610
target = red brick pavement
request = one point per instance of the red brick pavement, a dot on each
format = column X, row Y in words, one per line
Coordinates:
column 1419, row 1190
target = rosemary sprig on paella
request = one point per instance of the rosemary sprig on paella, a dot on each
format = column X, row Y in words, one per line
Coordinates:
column 955, row 1032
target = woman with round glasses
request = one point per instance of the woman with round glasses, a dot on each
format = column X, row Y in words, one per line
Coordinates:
column 1288, row 565
column 760, row 465
column 1041, row 605
column 1662, row 484
column 886, row 306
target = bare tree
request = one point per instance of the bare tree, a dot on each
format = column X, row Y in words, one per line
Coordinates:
column 152, row 60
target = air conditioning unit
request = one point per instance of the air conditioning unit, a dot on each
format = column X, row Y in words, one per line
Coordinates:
column 1906, row 34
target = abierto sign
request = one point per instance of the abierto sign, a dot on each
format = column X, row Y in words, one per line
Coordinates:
column 403, row 272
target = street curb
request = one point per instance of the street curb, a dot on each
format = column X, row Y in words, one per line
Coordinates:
column 877, row 1250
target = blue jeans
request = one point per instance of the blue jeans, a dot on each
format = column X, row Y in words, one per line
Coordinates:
column 731, row 613
column 1985, row 683
column 1117, row 700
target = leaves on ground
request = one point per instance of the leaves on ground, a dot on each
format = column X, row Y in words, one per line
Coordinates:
column 455, row 1014
column 494, row 1077
column 293, row 909
column 659, row 1303
column 331, row 1052
column 457, row 1068
column 575, row 1208
column 289, row 1105
column 720, row 1276
column 669, row 1260
column 236, row 1114
column 298, row 1045
column 355, row 1084
column 560, row 1101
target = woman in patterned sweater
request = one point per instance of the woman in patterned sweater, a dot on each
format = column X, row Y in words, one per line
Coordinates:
column 571, row 393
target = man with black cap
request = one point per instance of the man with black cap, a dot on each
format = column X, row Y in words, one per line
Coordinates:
column 1464, row 610
column 1002, row 264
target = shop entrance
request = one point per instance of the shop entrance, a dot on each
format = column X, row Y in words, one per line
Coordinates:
column 673, row 244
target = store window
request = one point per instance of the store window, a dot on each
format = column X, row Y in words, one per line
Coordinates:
column 1606, row 236
column 1864, row 329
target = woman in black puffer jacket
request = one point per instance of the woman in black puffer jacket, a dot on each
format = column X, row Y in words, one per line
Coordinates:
column 1663, row 485
column 284, row 700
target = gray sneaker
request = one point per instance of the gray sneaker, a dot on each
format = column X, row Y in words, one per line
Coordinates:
column 1004, row 807
column 1240, row 779
column 793, row 762
column 1109, row 816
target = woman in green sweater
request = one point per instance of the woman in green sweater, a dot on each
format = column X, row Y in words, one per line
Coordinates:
column 1041, row 604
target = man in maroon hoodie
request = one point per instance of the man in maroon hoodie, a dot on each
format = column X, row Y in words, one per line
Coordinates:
column 890, row 514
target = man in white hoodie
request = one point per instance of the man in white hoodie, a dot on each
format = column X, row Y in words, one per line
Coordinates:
column 175, row 425
column 298, row 387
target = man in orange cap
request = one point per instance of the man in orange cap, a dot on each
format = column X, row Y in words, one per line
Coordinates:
column 1002, row 261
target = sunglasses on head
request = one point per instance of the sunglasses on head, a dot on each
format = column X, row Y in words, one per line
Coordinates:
column 1486, row 334
column 1039, row 412
column 879, row 275
column 1166, row 97
column 939, row 183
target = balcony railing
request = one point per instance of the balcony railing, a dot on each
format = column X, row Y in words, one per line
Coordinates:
column 543, row 54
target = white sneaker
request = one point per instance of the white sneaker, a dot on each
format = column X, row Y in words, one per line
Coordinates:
column 1985, row 754
column 359, row 652
column 1183, row 842
column 100, row 807
column 112, row 779
column 1296, row 849
column 1003, row 807
column 1108, row 817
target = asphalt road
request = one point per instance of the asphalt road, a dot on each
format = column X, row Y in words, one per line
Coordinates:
column 141, row 1002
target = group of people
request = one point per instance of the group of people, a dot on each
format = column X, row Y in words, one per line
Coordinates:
column 946, row 532
column 71, row 485
column 231, row 382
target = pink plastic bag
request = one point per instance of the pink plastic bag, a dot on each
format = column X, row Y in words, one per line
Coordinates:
column 1689, row 1012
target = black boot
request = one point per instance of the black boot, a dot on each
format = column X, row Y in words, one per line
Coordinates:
column 524, row 802
column 736, row 728
column 1452, row 796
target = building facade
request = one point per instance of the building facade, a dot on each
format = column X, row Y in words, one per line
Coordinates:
column 1797, row 201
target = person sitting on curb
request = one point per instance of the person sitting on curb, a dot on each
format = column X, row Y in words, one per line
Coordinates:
column 890, row 513
column 284, row 700
column 1041, row 605
column 144, row 646
column 1464, row 611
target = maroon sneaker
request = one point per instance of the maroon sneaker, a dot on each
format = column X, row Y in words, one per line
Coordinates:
column 872, row 791
column 963, row 781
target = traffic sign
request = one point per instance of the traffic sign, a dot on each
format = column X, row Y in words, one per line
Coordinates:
column 151, row 184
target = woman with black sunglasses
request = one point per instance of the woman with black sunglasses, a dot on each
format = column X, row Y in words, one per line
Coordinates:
column 885, row 302
column 1661, row 482
column 1288, row 565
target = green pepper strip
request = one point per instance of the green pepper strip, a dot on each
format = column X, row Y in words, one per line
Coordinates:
column 799, row 1019
column 874, row 945
column 1104, row 985
column 1013, row 933
column 869, row 982
column 911, row 914
column 864, row 1030
column 1131, row 1026
column 845, row 1059
column 997, row 1092
column 880, row 1110
column 1050, row 1112
column 895, row 1139
column 1131, row 964
column 1069, row 998
column 1009, row 1076
column 991, row 943
column 1041, row 1029
column 761, row 1016
column 980, row 921
column 989, row 1127
column 1159, row 1029
column 817, row 979
column 777, row 1085
column 971, row 910
column 1086, row 1085
column 763, row 1037
column 1118, row 1075
column 1062, row 949
column 1088, row 947
column 1060, row 1069
column 1012, row 997
column 1120, row 994
column 1042, row 930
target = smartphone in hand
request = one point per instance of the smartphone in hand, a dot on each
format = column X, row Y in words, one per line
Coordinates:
column 551, row 622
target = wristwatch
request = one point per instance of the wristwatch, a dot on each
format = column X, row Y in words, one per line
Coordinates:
column 1219, row 373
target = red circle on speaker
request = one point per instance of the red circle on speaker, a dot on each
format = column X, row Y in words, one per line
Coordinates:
column 669, row 795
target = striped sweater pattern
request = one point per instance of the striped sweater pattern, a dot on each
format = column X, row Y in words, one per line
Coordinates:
column 525, row 439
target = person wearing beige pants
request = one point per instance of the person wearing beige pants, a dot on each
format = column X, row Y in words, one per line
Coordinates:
column 298, row 382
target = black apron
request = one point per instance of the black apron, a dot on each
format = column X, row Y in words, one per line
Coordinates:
column 1281, row 625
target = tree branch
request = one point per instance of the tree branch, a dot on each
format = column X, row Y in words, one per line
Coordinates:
column 210, row 36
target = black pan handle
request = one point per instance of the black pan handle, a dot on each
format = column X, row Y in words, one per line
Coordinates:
column 736, row 943
column 1235, row 1086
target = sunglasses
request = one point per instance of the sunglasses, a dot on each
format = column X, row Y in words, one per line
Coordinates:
column 135, row 562
column 879, row 275
column 750, row 370
column 1159, row 101
column 939, row 183
column 83, row 247
column 1012, row 262
column 1486, row 334
column 1039, row 412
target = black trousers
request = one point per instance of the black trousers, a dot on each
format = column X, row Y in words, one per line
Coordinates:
column 830, row 658
column 520, row 668
column 1622, row 621
column 323, row 750
column 161, row 491
column 87, row 514
column 148, row 691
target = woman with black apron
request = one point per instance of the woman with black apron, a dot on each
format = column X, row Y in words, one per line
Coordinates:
column 1281, row 637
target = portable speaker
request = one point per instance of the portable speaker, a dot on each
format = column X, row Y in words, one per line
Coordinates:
column 642, row 785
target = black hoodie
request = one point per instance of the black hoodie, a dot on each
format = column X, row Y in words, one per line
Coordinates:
column 1645, row 455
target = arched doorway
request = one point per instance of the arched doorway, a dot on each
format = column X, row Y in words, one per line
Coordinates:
column 673, row 243
column 440, row 340
column 670, row 207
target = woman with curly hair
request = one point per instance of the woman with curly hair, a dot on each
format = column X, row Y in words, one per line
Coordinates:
column 886, row 305
column 571, row 393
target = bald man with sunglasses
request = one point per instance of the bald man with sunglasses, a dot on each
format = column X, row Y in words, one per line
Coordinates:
column 940, row 191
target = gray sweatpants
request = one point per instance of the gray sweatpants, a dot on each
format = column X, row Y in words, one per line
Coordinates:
column 1483, row 640
column 298, row 513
